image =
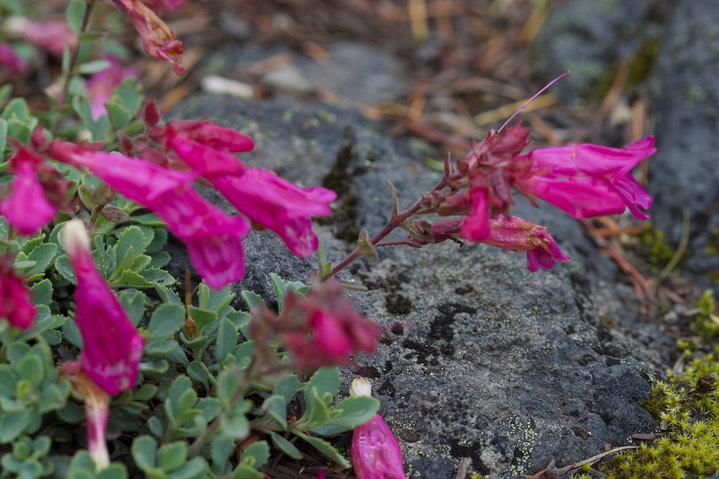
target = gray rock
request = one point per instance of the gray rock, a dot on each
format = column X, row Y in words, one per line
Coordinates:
column 354, row 71
column 480, row 358
column 684, row 173
column 590, row 38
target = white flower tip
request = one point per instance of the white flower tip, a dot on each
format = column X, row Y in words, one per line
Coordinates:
column 360, row 387
column 74, row 236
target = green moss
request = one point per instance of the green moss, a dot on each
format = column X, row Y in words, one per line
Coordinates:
column 654, row 249
column 687, row 409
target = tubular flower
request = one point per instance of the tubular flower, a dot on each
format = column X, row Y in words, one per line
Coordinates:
column 323, row 328
column 590, row 180
column 279, row 205
column 112, row 347
column 101, row 85
column 157, row 38
column 517, row 234
column 15, row 304
column 213, row 239
column 262, row 196
column 10, row 59
column 27, row 208
column 375, row 451
column 97, row 406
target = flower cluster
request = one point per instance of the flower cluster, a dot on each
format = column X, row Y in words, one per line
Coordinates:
column 319, row 328
column 583, row 180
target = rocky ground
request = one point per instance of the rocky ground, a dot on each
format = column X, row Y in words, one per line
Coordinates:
column 481, row 359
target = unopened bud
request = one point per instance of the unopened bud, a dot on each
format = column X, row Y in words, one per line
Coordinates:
column 360, row 387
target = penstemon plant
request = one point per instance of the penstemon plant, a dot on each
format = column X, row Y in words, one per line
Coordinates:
column 94, row 331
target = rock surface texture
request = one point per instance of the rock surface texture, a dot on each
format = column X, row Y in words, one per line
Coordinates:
column 684, row 173
column 479, row 357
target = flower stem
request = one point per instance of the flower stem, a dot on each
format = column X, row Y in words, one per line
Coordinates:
column 395, row 221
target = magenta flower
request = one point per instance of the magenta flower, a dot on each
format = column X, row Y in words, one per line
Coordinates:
column 157, row 38
column 26, row 208
column 112, row 347
column 279, row 205
column 101, row 85
column 15, row 304
column 322, row 328
column 213, row 239
column 262, row 196
column 590, row 180
column 10, row 59
column 375, row 451
column 517, row 234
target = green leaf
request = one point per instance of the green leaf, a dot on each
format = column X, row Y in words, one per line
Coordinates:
column 93, row 66
column 221, row 448
column 8, row 380
column 172, row 456
column 354, row 411
column 275, row 406
column 285, row 446
column 144, row 451
column 166, row 321
column 227, row 337
column 3, row 132
column 13, row 423
column 181, row 397
column 120, row 117
column 43, row 256
column 131, row 242
column 198, row 372
column 326, row 449
column 113, row 471
column 74, row 15
column 316, row 413
column 128, row 95
column 31, row 368
column 256, row 454
column 227, row 387
column 131, row 279
column 64, row 267
column 201, row 317
column 42, row 292
column 133, row 302
column 155, row 275
column 282, row 287
column 288, row 387
column 236, row 426
column 194, row 469
column 327, row 382
column 252, row 299
column 166, row 294
column 246, row 472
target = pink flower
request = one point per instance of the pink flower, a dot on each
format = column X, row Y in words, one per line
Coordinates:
column 375, row 451
column 213, row 239
column 10, row 59
column 27, row 208
column 52, row 36
column 101, row 85
column 97, row 406
column 517, row 234
column 265, row 198
column 157, row 38
column 590, row 180
column 322, row 328
column 279, row 205
column 15, row 304
column 112, row 347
